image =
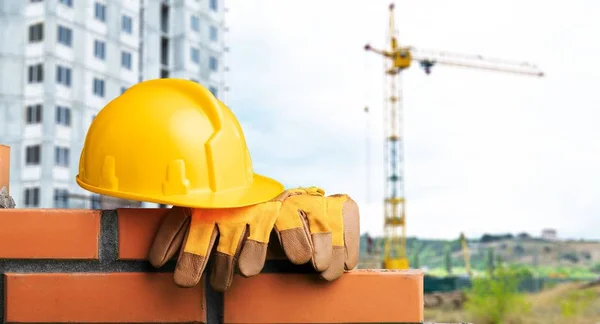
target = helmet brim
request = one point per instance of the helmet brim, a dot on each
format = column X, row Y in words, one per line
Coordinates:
column 262, row 189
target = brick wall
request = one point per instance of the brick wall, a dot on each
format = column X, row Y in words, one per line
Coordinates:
column 89, row 266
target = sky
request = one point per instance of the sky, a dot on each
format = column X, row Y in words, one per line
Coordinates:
column 485, row 152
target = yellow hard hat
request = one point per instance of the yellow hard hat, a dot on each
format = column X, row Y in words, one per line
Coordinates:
column 171, row 141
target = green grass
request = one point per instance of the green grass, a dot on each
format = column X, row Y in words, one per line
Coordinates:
column 564, row 303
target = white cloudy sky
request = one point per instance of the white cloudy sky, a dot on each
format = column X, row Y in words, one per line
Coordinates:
column 485, row 151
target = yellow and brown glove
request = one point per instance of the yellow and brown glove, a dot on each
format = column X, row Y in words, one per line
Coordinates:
column 309, row 225
column 320, row 229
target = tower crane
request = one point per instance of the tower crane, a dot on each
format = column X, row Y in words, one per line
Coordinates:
column 399, row 58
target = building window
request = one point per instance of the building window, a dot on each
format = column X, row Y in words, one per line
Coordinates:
column 65, row 36
column 96, row 202
column 98, row 87
column 214, row 91
column 195, row 23
column 195, row 55
column 36, row 33
column 126, row 60
column 63, row 116
column 61, row 156
column 100, row 11
column 213, row 5
column 35, row 73
column 213, row 64
column 33, row 114
column 61, row 198
column 99, row 49
column 63, row 75
column 32, row 155
column 68, row 3
column 32, row 197
column 214, row 34
column 126, row 24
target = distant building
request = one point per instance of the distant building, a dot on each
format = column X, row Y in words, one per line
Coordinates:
column 63, row 60
column 549, row 234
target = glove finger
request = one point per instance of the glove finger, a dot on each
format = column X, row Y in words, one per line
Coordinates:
column 351, row 214
column 196, row 248
column 293, row 234
column 170, row 235
column 322, row 246
column 221, row 275
column 335, row 220
column 336, row 267
column 254, row 252
column 342, row 213
column 231, row 235
column 313, row 209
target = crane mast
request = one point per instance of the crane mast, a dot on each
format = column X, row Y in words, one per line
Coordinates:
column 398, row 58
column 394, row 212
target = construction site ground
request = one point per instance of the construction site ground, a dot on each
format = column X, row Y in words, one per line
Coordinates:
column 565, row 303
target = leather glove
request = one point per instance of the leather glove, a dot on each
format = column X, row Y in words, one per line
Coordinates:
column 193, row 232
column 322, row 229
column 245, row 231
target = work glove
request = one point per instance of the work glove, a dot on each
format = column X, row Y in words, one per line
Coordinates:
column 322, row 230
column 314, row 233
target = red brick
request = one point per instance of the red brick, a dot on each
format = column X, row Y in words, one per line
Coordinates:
column 137, row 227
column 362, row 296
column 49, row 233
column 4, row 166
column 101, row 298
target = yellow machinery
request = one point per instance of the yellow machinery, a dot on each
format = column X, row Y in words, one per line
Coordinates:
column 465, row 253
column 399, row 58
